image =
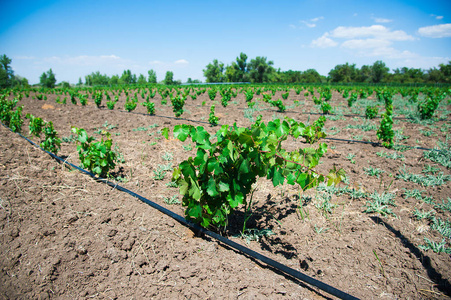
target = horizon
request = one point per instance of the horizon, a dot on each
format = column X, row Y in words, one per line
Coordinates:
column 77, row 39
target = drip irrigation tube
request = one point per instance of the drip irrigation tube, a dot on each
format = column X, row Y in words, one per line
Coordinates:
column 327, row 138
column 281, row 267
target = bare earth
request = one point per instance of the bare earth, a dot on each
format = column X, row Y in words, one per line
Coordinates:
column 65, row 236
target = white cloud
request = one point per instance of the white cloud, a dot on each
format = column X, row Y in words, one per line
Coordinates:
column 436, row 31
column 381, row 20
column 181, row 62
column 316, row 19
column 156, row 62
column 374, row 31
column 365, row 43
column 324, row 42
column 436, row 17
column 312, row 22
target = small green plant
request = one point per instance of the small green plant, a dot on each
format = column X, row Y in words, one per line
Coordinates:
column 111, row 104
column 427, row 108
column 51, row 143
column 98, row 99
column 279, row 104
column 326, row 108
column 83, row 99
column 97, row 157
column 212, row 119
column 130, row 105
column 150, row 106
column 314, row 132
column 220, row 177
column 35, row 126
column 212, row 94
column 385, row 132
column 177, row 105
column 371, row 112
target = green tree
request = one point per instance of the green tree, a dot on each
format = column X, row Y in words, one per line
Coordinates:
column 152, row 76
column 141, row 79
column 128, row 78
column 48, row 79
column 311, row 76
column 169, row 78
column 379, row 71
column 343, row 73
column 114, row 80
column 214, row 72
column 6, row 72
column 446, row 71
column 95, row 78
column 260, row 70
column 365, row 74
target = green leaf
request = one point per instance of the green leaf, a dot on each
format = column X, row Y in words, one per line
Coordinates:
column 165, row 132
column 235, row 200
column 223, row 187
column 181, row 132
column 244, row 167
column 211, row 190
column 276, row 175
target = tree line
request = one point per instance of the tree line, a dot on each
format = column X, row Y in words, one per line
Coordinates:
column 261, row 70
column 256, row 70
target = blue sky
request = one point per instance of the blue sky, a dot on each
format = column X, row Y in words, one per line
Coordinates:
column 75, row 38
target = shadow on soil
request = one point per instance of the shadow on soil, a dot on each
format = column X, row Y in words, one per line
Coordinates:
column 443, row 284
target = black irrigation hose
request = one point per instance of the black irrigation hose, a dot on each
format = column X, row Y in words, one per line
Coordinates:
column 327, row 138
column 281, row 267
column 376, row 144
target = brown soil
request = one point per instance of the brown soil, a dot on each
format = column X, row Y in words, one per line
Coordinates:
column 65, row 236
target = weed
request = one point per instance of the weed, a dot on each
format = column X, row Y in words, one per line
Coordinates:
column 427, row 180
column 172, row 200
column 430, row 169
column 255, row 234
column 69, row 139
column 442, row 155
column 444, row 206
column 370, row 171
column 394, row 155
column 325, row 205
column 420, row 215
column 320, row 230
column 350, row 157
column 436, row 247
column 172, row 184
column 380, row 204
column 413, row 193
column 187, row 147
column 167, row 156
column 443, row 227
column 159, row 174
